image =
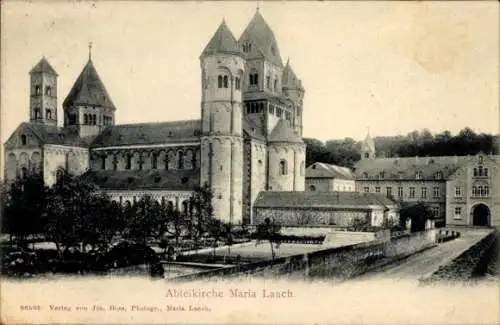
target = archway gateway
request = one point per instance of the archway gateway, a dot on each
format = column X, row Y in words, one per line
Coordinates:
column 481, row 215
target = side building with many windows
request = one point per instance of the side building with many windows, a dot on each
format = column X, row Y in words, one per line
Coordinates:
column 460, row 190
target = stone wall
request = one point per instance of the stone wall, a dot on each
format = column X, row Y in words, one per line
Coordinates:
column 342, row 262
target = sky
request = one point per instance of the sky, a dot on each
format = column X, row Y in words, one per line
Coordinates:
column 392, row 67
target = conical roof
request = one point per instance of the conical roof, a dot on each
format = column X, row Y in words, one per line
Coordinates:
column 43, row 66
column 283, row 132
column 289, row 78
column 262, row 37
column 223, row 41
column 89, row 90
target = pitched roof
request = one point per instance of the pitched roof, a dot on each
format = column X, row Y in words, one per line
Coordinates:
column 88, row 89
column 149, row 133
column 252, row 130
column 43, row 66
column 283, row 132
column 318, row 199
column 289, row 78
column 262, row 37
column 322, row 170
column 223, row 41
column 145, row 179
column 51, row 134
column 407, row 167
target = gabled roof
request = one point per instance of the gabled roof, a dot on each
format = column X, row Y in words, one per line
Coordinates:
column 283, row 132
column 51, row 134
column 145, row 179
column 43, row 66
column 289, row 79
column 252, row 130
column 262, row 37
column 223, row 41
column 292, row 199
column 148, row 133
column 88, row 89
column 322, row 170
column 407, row 167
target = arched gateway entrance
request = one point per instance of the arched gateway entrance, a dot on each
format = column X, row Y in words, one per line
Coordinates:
column 480, row 215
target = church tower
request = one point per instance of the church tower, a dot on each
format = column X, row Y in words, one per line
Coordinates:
column 88, row 108
column 368, row 148
column 294, row 91
column 43, row 93
column 222, row 70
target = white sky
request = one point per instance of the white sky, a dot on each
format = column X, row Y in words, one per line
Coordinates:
column 394, row 67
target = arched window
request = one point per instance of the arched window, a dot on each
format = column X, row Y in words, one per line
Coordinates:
column 226, row 82
column 180, row 160
column 154, row 160
column 85, row 119
column 94, row 119
column 48, row 91
column 48, row 114
column 312, row 188
column 23, row 139
column 418, row 175
column 103, row 162
column 59, row 175
column 237, row 83
column 219, row 81
column 283, row 167
column 37, row 113
column 438, row 175
column 128, row 161
column 24, row 172
column 275, row 85
column 268, row 82
column 37, row 90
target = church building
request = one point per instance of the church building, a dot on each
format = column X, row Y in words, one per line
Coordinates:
column 248, row 138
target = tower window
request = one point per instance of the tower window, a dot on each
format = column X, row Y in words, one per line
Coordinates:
column 268, row 82
column 237, row 83
column 254, row 79
column 48, row 91
column 283, row 167
column 225, row 82
column 37, row 113
column 23, row 139
column 85, row 119
column 247, row 47
column 103, row 162
column 219, row 81
column 37, row 90
column 48, row 114
column 275, row 85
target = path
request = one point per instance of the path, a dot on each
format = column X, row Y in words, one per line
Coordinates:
column 427, row 262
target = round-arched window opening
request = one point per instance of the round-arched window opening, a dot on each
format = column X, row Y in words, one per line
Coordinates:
column 312, row 188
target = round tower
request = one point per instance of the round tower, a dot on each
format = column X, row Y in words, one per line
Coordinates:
column 222, row 68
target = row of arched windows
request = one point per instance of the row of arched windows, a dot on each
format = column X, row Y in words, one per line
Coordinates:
column 38, row 115
column 480, row 190
column 170, row 160
column 48, row 90
column 223, row 82
column 480, row 172
column 418, row 175
column 90, row 119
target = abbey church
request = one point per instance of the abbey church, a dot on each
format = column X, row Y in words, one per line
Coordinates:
column 248, row 139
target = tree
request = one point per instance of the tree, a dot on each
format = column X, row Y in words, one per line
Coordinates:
column 201, row 212
column 418, row 213
column 302, row 217
column 269, row 230
column 68, row 207
column 359, row 224
column 144, row 220
column 23, row 208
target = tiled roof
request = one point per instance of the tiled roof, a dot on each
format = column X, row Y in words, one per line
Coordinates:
column 261, row 36
column 283, row 132
column 88, row 90
column 289, row 78
column 251, row 129
column 50, row 134
column 43, row 66
column 407, row 167
column 322, row 170
column 321, row 199
column 145, row 179
column 149, row 133
column 223, row 41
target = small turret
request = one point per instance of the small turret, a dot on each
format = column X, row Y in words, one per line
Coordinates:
column 43, row 93
column 368, row 148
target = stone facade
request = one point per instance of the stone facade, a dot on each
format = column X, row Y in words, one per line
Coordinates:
column 460, row 190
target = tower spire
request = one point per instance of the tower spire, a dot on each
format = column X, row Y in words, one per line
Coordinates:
column 90, row 50
column 258, row 5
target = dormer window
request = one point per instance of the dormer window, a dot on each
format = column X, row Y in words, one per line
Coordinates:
column 381, row 175
column 438, row 175
column 418, row 175
column 365, row 175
